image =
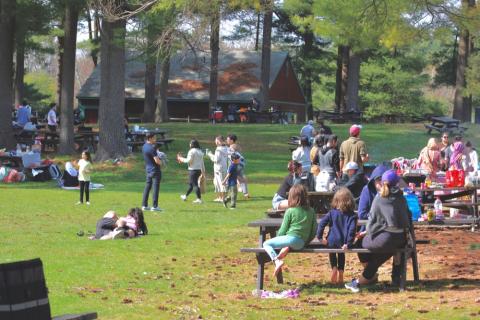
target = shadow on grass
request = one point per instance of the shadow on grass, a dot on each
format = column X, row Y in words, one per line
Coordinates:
column 434, row 285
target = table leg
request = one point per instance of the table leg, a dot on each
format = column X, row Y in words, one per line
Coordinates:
column 476, row 219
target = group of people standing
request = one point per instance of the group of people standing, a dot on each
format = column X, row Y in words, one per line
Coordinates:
column 443, row 155
column 328, row 164
column 228, row 168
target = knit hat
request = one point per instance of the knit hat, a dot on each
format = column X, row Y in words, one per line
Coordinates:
column 355, row 130
column 390, row 177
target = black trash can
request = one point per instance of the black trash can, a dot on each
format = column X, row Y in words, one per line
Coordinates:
column 477, row 115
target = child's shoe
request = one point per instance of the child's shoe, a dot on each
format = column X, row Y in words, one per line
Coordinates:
column 183, row 197
column 88, row 203
column 79, row 202
column 353, row 286
column 278, row 267
column 145, row 208
column 198, row 201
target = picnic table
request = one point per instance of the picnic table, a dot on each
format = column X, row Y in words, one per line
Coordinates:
column 453, row 197
column 136, row 138
column 320, row 200
column 445, row 124
column 269, row 226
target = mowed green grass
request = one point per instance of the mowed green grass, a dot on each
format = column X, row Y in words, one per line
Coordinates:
column 189, row 265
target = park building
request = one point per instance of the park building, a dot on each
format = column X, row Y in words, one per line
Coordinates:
column 188, row 86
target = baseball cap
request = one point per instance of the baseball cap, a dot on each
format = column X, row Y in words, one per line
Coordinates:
column 310, row 122
column 390, row 177
column 351, row 166
column 355, row 130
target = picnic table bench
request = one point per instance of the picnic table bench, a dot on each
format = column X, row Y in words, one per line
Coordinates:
column 269, row 226
column 445, row 124
column 13, row 162
column 137, row 138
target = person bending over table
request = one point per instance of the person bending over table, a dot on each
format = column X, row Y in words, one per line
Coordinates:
column 430, row 158
column 279, row 201
column 386, row 230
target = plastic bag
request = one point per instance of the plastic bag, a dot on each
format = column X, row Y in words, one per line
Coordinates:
column 202, row 183
column 455, row 178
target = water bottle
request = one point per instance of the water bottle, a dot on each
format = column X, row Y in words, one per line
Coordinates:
column 438, row 207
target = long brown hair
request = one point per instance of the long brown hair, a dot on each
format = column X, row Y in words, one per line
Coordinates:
column 343, row 200
column 298, row 197
column 385, row 190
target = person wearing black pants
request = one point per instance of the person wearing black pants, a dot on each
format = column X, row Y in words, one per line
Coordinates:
column 386, row 231
column 193, row 176
column 85, row 188
column 153, row 172
column 196, row 167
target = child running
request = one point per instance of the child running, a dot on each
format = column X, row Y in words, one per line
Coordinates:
column 231, row 181
column 342, row 223
column 84, row 169
column 298, row 227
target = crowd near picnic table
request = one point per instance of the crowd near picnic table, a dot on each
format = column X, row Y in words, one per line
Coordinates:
column 335, row 198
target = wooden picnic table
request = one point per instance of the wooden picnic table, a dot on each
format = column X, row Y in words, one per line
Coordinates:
column 445, row 124
column 137, row 138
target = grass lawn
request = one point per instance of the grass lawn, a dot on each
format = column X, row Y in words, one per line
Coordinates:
column 189, row 266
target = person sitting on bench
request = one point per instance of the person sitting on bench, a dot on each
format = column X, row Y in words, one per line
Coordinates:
column 386, row 230
column 298, row 227
column 279, row 201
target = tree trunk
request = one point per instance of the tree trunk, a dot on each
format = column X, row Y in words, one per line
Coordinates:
column 353, row 82
column 161, row 115
column 307, row 76
column 338, row 80
column 266, row 51
column 20, row 68
column 462, row 106
column 60, row 66
column 342, row 79
column 68, row 80
column 257, row 33
column 150, row 77
column 7, row 31
column 214, row 49
column 93, row 37
column 112, row 142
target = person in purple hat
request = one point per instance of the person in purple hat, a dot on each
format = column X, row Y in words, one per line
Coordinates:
column 386, row 230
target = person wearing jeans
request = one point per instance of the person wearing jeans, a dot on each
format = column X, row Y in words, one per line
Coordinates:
column 153, row 173
column 196, row 167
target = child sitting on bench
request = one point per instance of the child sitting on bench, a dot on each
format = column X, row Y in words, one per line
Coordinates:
column 297, row 230
column 342, row 223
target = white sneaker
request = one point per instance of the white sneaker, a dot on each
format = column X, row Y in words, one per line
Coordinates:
column 198, row 201
column 183, row 197
column 155, row 209
column 78, row 203
column 88, row 203
column 145, row 208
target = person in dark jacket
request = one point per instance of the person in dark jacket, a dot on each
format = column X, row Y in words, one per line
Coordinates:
column 387, row 227
column 342, row 223
column 354, row 179
column 369, row 192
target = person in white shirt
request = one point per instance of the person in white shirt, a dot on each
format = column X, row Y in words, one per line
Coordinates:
column 196, row 167
column 302, row 154
column 52, row 118
column 219, row 160
column 472, row 165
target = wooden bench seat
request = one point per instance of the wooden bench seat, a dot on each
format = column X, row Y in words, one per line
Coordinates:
column 317, row 248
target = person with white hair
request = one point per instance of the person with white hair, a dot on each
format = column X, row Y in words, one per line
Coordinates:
column 353, row 179
column 308, row 130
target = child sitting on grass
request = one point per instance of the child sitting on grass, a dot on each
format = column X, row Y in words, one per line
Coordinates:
column 298, row 227
column 342, row 223
column 110, row 226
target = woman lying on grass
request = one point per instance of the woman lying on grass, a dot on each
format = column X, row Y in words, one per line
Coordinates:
column 113, row 227
column 298, row 227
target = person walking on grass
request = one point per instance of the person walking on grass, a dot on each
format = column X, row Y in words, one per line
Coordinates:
column 84, row 169
column 231, row 182
column 342, row 222
column 219, row 159
column 298, row 227
column 153, row 172
column 196, row 167
column 242, row 178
